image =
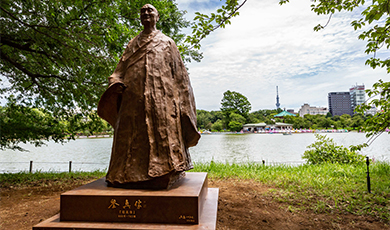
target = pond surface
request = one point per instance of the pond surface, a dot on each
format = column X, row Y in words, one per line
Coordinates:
column 94, row 153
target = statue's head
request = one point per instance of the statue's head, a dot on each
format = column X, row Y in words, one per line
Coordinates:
column 149, row 15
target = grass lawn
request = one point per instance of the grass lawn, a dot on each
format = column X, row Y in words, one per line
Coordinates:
column 324, row 188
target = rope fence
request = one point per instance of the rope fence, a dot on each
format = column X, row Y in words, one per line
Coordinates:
column 71, row 163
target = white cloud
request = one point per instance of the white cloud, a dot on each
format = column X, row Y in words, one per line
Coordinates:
column 270, row 45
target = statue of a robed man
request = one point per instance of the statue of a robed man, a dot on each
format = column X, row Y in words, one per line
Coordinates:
column 150, row 105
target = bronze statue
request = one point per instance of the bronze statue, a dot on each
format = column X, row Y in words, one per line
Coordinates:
column 151, row 106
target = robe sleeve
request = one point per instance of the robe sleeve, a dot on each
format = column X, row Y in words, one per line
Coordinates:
column 110, row 101
column 187, row 101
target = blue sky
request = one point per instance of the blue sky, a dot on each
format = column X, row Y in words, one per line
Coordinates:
column 269, row 45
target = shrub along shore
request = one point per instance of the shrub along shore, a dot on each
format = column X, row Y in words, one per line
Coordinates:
column 323, row 188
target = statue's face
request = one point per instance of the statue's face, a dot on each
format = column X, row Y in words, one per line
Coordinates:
column 149, row 15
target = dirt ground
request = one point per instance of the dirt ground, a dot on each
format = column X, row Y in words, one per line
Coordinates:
column 242, row 205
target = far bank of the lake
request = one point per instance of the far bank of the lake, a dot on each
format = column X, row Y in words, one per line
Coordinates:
column 90, row 154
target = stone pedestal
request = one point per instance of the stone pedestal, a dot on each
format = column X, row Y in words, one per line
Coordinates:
column 189, row 204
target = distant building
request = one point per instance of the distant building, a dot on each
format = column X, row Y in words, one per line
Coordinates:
column 339, row 103
column 263, row 127
column 291, row 111
column 307, row 109
column 277, row 98
column 358, row 96
column 284, row 114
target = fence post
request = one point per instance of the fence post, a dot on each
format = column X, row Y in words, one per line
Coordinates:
column 368, row 175
column 31, row 163
column 70, row 166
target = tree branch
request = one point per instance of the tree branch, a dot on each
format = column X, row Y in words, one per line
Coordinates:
column 330, row 17
column 32, row 27
column 33, row 76
column 219, row 25
column 25, row 47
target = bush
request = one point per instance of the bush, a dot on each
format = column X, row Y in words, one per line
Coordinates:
column 324, row 150
column 218, row 125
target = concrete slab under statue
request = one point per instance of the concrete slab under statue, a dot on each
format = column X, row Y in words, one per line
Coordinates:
column 151, row 107
column 189, row 204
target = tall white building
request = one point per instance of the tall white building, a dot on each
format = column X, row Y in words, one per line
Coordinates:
column 358, row 95
column 307, row 109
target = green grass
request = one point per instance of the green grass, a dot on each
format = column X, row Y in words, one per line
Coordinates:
column 325, row 188
column 41, row 178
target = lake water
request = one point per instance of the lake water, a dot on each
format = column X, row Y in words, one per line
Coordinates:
column 94, row 153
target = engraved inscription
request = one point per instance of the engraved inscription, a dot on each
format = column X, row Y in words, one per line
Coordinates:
column 138, row 204
column 127, row 211
column 113, row 204
column 127, row 204
column 127, row 216
column 187, row 218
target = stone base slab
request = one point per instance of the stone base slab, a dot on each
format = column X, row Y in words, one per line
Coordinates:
column 207, row 220
column 181, row 204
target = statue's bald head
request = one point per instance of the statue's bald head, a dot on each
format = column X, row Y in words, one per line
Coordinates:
column 147, row 6
column 149, row 15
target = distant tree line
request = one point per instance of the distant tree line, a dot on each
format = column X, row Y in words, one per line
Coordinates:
column 24, row 124
column 235, row 113
column 216, row 121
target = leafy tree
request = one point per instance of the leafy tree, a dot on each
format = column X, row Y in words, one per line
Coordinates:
column 269, row 121
column 218, row 125
column 204, row 24
column 325, row 122
column 357, row 121
column 324, row 150
column 203, row 119
column 57, row 55
column 262, row 115
column 338, row 125
column 380, row 122
column 336, row 118
column 234, row 102
column 252, row 118
column 236, row 122
column 216, row 115
column 23, row 124
column 346, row 120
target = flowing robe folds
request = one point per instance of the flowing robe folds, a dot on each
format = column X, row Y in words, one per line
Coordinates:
column 154, row 117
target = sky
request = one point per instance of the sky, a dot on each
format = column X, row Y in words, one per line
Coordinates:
column 269, row 45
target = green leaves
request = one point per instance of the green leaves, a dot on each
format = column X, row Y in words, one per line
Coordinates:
column 57, row 55
column 21, row 124
column 380, row 122
column 235, row 102
column 204, row 24
column 324, row 150
column 235, row 107
column 24, row 124
column 236, row 122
